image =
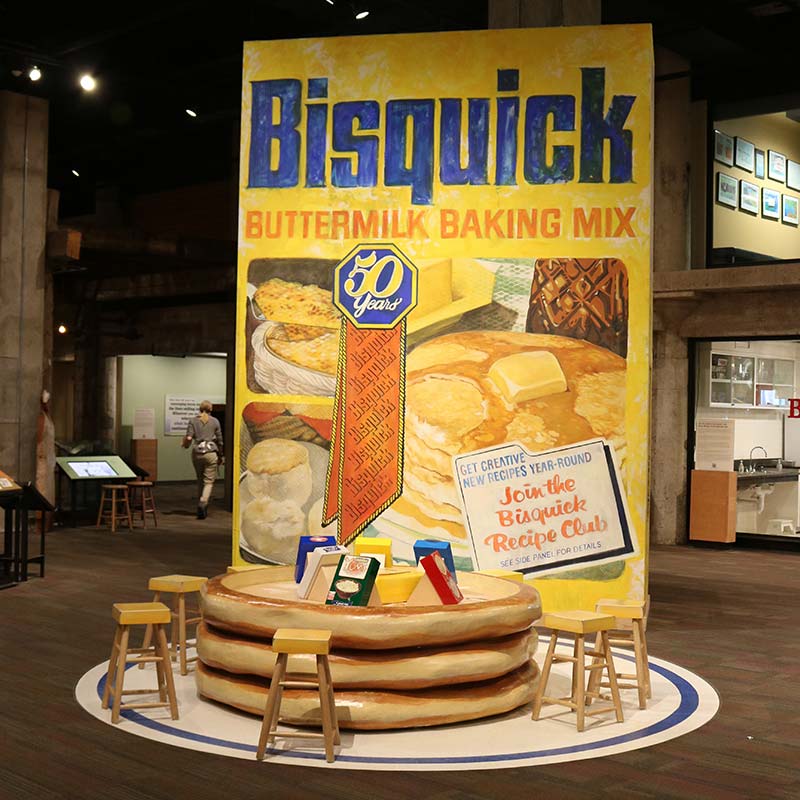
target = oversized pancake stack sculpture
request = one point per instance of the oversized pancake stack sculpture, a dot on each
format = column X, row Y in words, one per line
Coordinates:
column 393, row 666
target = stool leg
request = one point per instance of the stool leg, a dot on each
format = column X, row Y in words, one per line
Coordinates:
column 325, row 710
column 337, row 737
column 126, row 499
column 152, row 505
column 182, row 631
column 119, row 678
column 272, row 708
column 112, row 665
column 113, row 511
column 100, row 509
column 173, row 629
column 161, row 675
column 612, row 678
column 148, row 631
column 646, row 659
column 641, row 680
column 162, row 645
column 595, row 675
column 579, row 671
column 548, row 662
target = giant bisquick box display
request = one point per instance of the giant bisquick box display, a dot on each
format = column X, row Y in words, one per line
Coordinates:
column 517, row 193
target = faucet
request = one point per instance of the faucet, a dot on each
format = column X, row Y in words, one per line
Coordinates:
column 757, row 447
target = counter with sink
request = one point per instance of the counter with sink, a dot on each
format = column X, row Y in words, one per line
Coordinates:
column 768, row 499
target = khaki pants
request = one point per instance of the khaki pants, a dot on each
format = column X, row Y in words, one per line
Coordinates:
column 205, row 465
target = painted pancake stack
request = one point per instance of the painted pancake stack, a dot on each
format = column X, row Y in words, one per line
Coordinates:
column 393, row 666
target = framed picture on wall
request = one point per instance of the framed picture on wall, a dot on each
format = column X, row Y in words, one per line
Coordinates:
column 791, row 211
column 745, row 154
column 723, row 148
column 748, row 197
column 727, row 190
column 760, row 161
column 776, row 166
column 770, row 204
column 793, row 174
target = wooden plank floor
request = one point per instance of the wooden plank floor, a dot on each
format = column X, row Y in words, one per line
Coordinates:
column 727, row 614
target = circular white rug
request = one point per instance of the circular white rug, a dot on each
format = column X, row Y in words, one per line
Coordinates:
column 681, row 703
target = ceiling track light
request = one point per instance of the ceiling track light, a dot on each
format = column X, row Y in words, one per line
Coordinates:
column 362, row 13
column 87, row 82
column 75, row 173
column 34, row 73
column 191, row 112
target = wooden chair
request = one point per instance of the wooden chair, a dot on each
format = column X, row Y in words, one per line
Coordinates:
column 142, row 501
column 629, row 630
column 579, row 623
column 288, row 641
column 155, row 616
column 179, row 586
column 116, row 495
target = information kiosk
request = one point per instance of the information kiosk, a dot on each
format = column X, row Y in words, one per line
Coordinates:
column 85, row 470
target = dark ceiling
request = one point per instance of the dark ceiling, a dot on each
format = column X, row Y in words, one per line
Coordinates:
column 154, row 60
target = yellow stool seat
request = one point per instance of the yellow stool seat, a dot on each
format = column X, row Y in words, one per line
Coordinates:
column 141, row 613
column 176, row 583
column 508, row 574
column 301, row 640
column 621, row 609
column 578, row 621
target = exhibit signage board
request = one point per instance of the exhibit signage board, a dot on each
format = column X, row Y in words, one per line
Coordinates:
column 516, row 191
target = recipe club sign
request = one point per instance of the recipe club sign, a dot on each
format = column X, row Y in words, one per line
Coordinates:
column 544, row 512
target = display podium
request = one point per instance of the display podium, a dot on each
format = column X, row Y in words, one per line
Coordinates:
column 17, row 506
column 10, row 491
column 88, row 470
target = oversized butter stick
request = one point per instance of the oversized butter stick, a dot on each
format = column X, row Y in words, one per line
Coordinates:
column 435, row 286
column 527, row 376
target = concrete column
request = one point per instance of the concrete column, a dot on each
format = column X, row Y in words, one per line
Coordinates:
column 543, row 13
column 671, row 131
column 668, row 438
column 107, row 422
column 23, row 221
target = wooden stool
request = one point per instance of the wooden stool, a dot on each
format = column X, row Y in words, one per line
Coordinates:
column 155, row 616
column 579, row 623
column 630, row 624
column 180, row 586
column 142, row 501
column 111, row 491
column 314, row 642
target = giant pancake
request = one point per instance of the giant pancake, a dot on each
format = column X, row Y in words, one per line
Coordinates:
column 408, row 668
column 258, row 602
column 377, row 710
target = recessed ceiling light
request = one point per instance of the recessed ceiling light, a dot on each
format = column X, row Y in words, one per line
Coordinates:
column 76, row 173
column 362, row 14
column 34, row 74
column 191, row 112
column 88, row 83
column 329, row 2
column 62, row 328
